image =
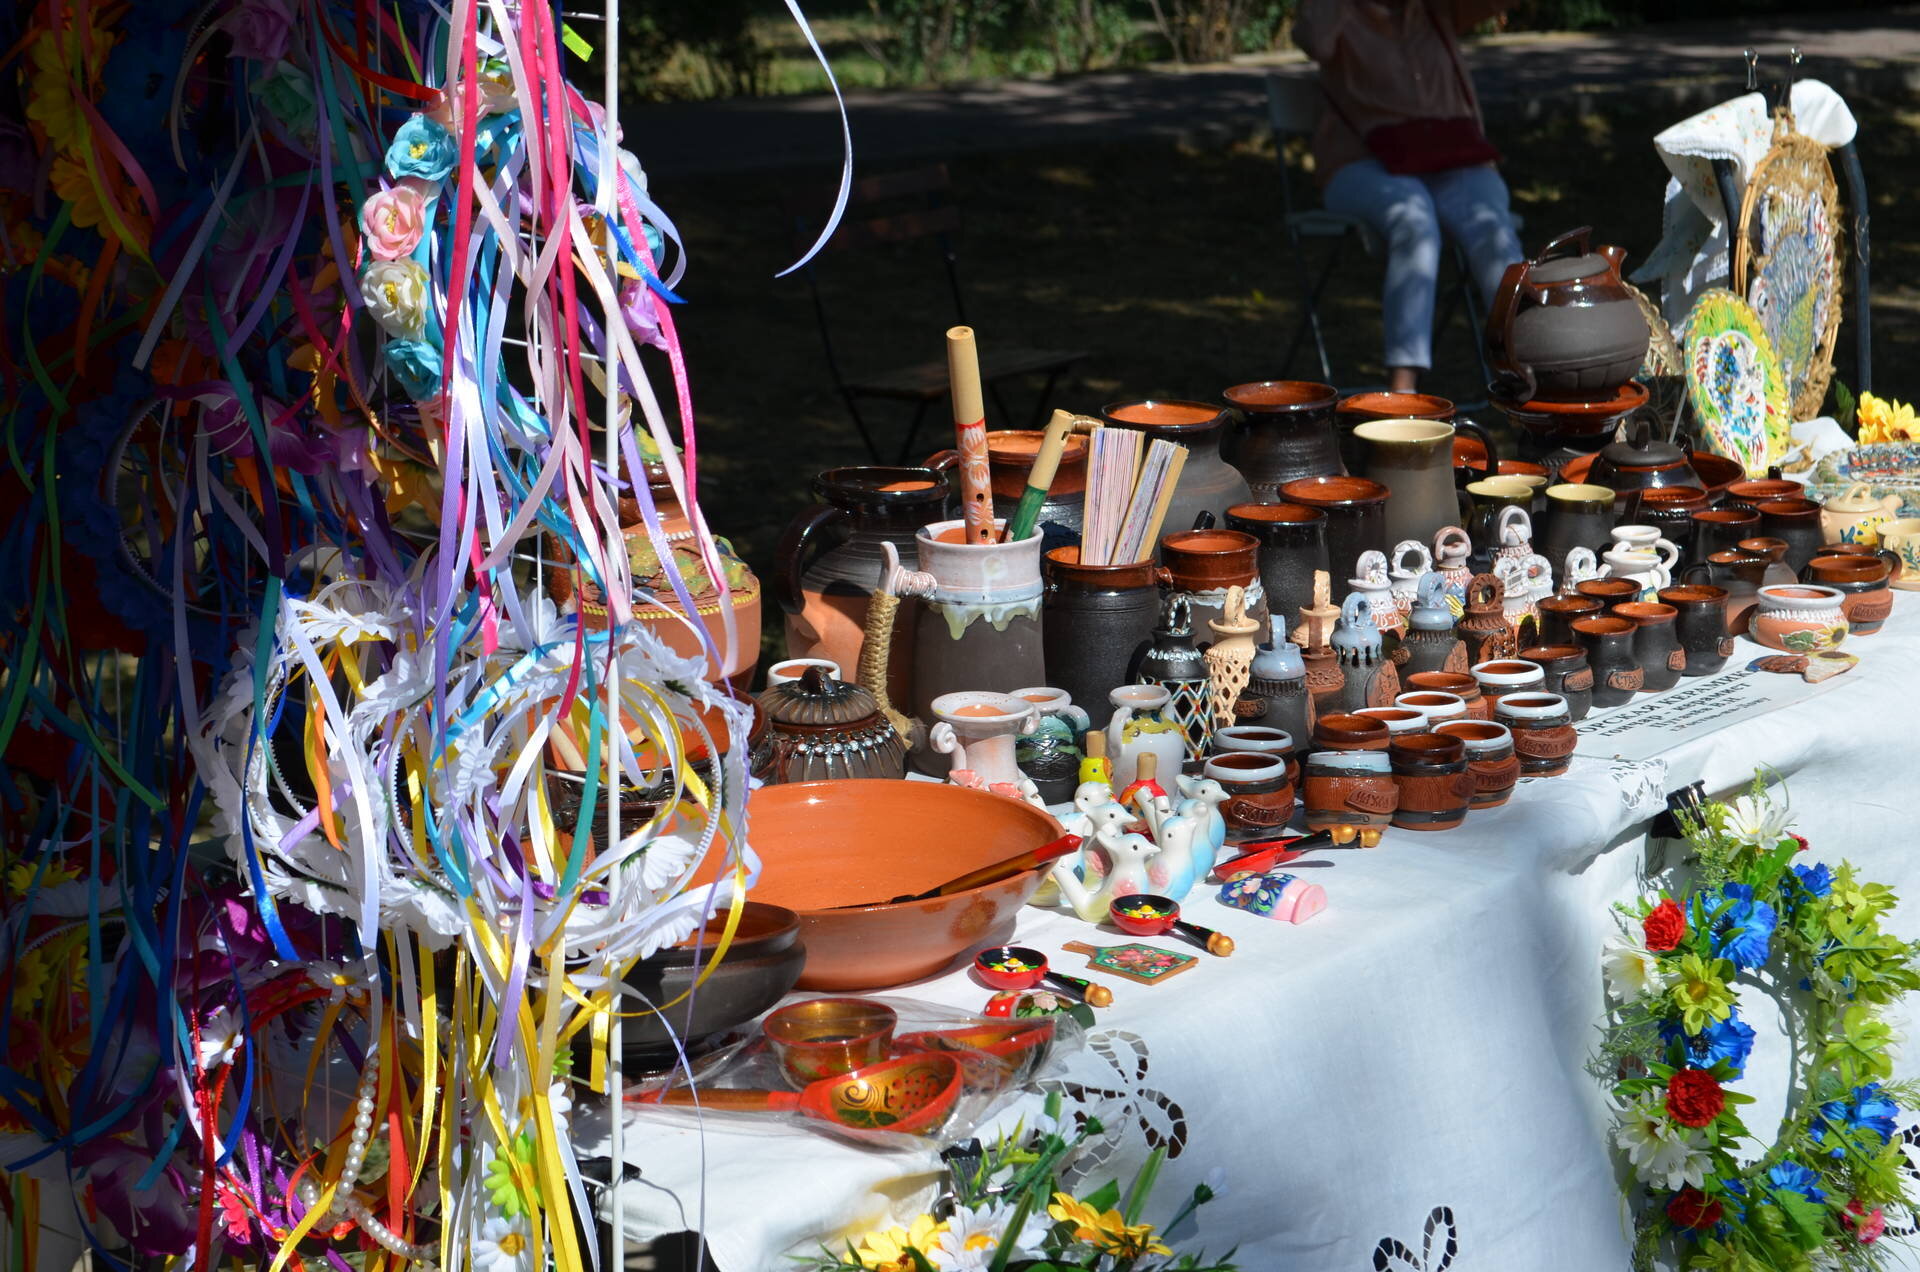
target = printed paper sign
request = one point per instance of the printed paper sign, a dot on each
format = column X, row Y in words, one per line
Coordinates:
column 1649, row 725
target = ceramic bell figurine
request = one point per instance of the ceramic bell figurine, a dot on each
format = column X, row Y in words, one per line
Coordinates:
column 1278, row 676
column 1484, row 628
column 1451, row 548
column 1516, row 602
column 1581, row 566
column 1431, row 644
column 1854, row 515
column 1370, row 679
column 1230, row 657
column 1324, row 676
column 1372, row 580
column 1514, row 533
column 1539, row 578
column 1410, row 562
column 1176, row 665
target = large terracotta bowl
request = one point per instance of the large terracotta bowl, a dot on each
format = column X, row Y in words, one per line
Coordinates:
column 830, row 844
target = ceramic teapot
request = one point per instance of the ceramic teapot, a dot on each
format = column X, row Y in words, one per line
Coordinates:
column 1636, row 460
column 1854, row 515
column 1563, row 325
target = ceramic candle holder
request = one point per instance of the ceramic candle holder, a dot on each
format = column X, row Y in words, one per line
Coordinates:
column 1430, row 774
column 1345, row 789
column 1501, row 676
column 1460, row 684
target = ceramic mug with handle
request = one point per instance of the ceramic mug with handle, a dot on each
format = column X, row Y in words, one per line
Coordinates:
column 1648, row 539
column 1901, row 536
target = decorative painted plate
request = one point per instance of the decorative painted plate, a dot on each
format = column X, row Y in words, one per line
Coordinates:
column 1739, row 395
column 1786, row 261
column 1890, row 468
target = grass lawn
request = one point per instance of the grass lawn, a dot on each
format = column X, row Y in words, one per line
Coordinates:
column 1167, row 261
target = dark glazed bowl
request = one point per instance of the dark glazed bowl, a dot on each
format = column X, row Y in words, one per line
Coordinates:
column 758, row 968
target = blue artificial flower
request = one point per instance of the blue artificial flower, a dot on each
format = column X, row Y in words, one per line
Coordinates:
column 422, row 149
column 1730, row 1040
column 1816, row 879
column 1791, row 1176
column 416, row 364
column 1745, row 930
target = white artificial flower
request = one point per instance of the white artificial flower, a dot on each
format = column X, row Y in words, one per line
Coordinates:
column 972, row 1236
column 1631, row 971
column 1662, row 1153
column 502, row 1246
column 396, row 296
column 220, row 1038
column 1757, row 821
column 560, row 1100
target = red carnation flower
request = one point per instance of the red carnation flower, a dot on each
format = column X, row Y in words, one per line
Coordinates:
column 1694, row 1097
column 1691, row 1208
column 1664, row 926
column 1801, row 840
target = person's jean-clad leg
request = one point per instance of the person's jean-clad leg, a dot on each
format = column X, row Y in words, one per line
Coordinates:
column 1402, row 211
column 1473, row 207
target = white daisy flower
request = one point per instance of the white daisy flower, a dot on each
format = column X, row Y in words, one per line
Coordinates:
column 1631, row 971
column 972, row 1236
column 220, row 1037
column 1758, row 821
column 502, row 1246
column 1664, row 1154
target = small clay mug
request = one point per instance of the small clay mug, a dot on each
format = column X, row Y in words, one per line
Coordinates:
column 1499, row 677
column 1398, row 720
column 1608, row 591
column 1797, row 521
column 1459, row 684
column 1670, row 509
column 1490, row 758
column 1339, row 732
column 1895, row 565
column 1259, row 789
column 1349, row 788
column 1862, row 581
column 1430, row 772
column 1543, row 735
column 1210, row 560
column 1556, row 615
column 1567, row 674
column 1751, row 494
column 826, row 1037
column 1701, row 626
column 1656, row 645
column 1719, row 530
column 1258, row 738
column 1434, row 705
column 1609, row 645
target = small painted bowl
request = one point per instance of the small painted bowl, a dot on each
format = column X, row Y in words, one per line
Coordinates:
column 826, row 1037
column 1010, row 967
column 991, row 1056
column 1800, row 618
column 1144, row 914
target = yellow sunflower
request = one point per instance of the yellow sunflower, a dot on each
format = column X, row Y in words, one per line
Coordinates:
column 71, row 182
column 887, row 1250
column 1108, row 1232
column 1883, row 421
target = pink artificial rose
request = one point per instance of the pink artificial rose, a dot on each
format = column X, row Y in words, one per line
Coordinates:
column 260, row 30
column 393, row 220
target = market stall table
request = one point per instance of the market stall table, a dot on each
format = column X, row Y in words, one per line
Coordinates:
column 1418, row 1052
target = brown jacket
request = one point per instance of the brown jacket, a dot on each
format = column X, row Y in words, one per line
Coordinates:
column 1385, row 65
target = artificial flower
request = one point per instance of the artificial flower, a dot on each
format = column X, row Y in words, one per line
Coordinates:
column 1700, row 992
column 1756, row 821
column 1694, row 1097
column 392, row 220
column 1866, row 1108
column 1880, row 420
column 1664, row 927
column 52, row 99
column 1631, row 971
column 1691, row 1208
column 1815, row 880
column 1791, row 1176
column 1106, row 1231
column 509, row 1177
column 1868, row 1225
column 973, row 1235
column 221, row 1034
column 887, row 1249
column 396, row 296
column 494, row 98
column 1729, row 1040
column 260, row 29
column 72, row 182
column 1743, row 934
column 286, row 94
column 502, row 1246
column 422, row 148
column 416, row 364
column 1662, row 1154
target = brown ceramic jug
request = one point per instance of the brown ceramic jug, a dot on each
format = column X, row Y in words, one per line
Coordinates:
column 1564, row 326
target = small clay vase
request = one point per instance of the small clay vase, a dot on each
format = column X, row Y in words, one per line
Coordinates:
column 1543, row 734
column 1499, row 677
column 1484, row 627
column 1556, row 615
column 1565, row 672
column 1862, row 581
column 1800, row 618
column 1460, row 684
column 1490, row 759
column 1609, row 645
column 1259, row 789
column 1431, row 643
column 1656, row 645
column 1278, row 681
column 1342, row 732
column 1797, row 521
column 1436, row 706
column 1430, row 772
column 1349, row 788
column 1701, row 626
column 1718, row 530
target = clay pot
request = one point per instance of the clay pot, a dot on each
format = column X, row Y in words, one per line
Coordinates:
column 1342, row 732
column 1207, row 482
column 1564, row 326
column 1349, row 788
column 1565, row 672
column 1203, row 564
column 1460, row 684
column 1556, row 616
column 1293, row 546
column 1862, row 581
column 1656, row 646
column 1718, row 530
column 1701, row 626
column 1256, row 739
column 825, row 729
column 1430, row 773
column 1670, row 509
column 826, row 845
column 1751, row 494
column 1490, row 759
column 1099, row 620
column 1259, row 789
column 1609, row 645
column 757, row 970
column 1743, row 570
column 980, row 628
column 1356, row 519
column 1800, row 618
column 1543, row 734
column 1608, row 591
column 1436, row 706
column 1797, row 523
column 1285, row 432
column 1010, row 455
column 1399, row 720
column 1501, row 676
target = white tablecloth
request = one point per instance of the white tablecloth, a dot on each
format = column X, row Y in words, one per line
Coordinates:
column 1416, row 1052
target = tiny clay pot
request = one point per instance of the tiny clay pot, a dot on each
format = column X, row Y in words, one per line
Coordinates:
column 1701, row 626
column 1259, row 789
column 1565, row 672
column 1543, row 735
column 1430, row 772
column 1399, row 720
column 1608, row 591
column 1460, row 684
column 1656, row 646
column 1349, row 788
column 1433, row 704
column 1490, row 759
column 1862, row 583
column 1609, row 645
column 1799, row 618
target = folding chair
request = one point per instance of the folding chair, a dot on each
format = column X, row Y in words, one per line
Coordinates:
column 900, row 207
column 1293, row 108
